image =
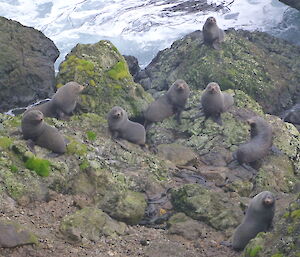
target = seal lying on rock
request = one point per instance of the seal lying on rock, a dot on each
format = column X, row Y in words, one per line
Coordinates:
column 258, row 218
column 173, row 102
column 259, row 144
column 121, row 127
column 40, row 133
column 212, row 34
column 214, row 102
column 62, row 103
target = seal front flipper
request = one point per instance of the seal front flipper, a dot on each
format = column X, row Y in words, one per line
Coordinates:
column 217, row 119
column 30, row 144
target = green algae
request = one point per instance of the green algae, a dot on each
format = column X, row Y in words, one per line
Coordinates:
column 75, row 147
column 40, row 166
column 91, row 135
column 119, row 71
column 5, row 142
column 253, row 252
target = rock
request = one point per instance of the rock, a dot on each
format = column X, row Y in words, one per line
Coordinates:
column 263, row 70
column 213, row 208
column 177, row 154
column 90, row 223
column 292, row 3
column 12, row 235
column 27, row 59
column 133, row 65
column 111, row 196
column 105, row 71
column 182, row 225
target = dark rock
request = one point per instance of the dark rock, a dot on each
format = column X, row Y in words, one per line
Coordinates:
column 26, row 65
column 133, row 65
column 12, row 235
column 292, row 3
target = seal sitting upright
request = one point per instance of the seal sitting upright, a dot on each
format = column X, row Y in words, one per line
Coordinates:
column 259, row 144
column 259, row 216
column 40, row 133
column 173, row 102
column 212, row 34
column 214, row 102
column 62, row 103
column 121, row 127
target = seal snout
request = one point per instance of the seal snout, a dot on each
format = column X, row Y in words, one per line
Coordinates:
column 268, row 201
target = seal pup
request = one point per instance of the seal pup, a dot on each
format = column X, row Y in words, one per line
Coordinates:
column 121, row 127
column 36, row 131
column 173, row 102
column 258, row 218
column 214, row 102
column 259, row 144
column 62, row 103
column 212, row 34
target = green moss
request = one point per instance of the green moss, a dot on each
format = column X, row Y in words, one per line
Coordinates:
column 75, row 147
column 296, row 214
column 13, row 168
column 84, row 165
column 277, row 255
column 5, row 142
column 40, row 166
column 59, row 85
column 119, row 71
column 252, row 252
column 91, row 135
column 92, row 83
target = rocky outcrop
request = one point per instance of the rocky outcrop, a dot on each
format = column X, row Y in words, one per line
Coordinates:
column 258, row 64
column 292, row 3
column 104, row 70
column 13, row 235
column 26, row 65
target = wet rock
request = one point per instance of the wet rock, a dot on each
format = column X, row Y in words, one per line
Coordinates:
column 104, row 70
column 27, row 59
column 213, row 208
column 177, row 154
column 90, row 223
column 12, row 235
column 292, row 3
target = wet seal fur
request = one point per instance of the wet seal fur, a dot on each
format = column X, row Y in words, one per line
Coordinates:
column 212, row 34
column 62, row 103
column 258, row 218
column 40, row 133
column 214, row 102
column 259, row 145
column 173, row 102
column 121, row 127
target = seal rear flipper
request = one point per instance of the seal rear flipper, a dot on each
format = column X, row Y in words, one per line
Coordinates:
column 217, row 119
column 249, row 168
column 216, row 45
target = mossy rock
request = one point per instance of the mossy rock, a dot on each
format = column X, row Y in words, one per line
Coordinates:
column 260, row 65
column 213, row 208
column 13, row 234
column 90, row 223
column 105, row 71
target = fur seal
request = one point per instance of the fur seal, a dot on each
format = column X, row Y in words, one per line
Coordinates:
column 212, row 34
column 259, row 144
column 121, row 127
column 214, row 102
column 258, row 218
column 62, row 103
column 40, row 133
column 173, row 102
